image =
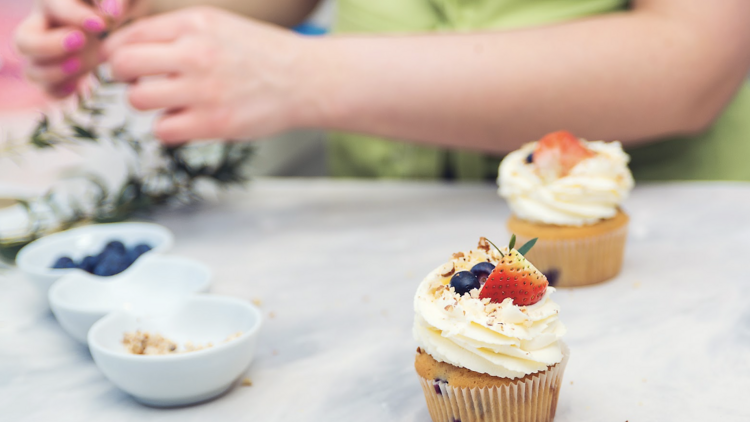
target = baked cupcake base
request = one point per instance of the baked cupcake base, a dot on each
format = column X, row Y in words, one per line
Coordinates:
column 575, row 256
column 459, row 394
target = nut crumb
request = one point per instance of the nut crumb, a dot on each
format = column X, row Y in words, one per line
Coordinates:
column 272, row 314
column 484, row 244
column 145, row 343
column 571, row 383
column 458, row 255
column 449, row 272
column 257, row 302
column 246, row 382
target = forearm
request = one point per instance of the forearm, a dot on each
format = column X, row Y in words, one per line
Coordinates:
column 631, row 76
column 281, row 12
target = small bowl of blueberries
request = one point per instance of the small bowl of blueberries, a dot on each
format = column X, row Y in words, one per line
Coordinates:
column 103, row 250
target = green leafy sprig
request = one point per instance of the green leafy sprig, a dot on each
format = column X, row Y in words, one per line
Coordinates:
column 177, row 178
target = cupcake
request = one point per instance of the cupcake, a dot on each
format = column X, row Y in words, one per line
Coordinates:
column 567, row 192
column 489, row 339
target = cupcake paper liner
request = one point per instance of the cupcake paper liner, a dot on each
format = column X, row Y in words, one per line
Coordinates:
column 579, row 261
column 528, row 399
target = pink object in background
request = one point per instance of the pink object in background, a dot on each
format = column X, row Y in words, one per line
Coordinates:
column 16, row 94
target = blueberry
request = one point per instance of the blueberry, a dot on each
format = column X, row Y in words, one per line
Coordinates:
column 482, row 271
column 64, row 262
column 115, row 246
column 88, row 264
column 111, row 264
column 530, row 158
column 552, row 276
column 464, row 281
column 138, row 250
column 436, row 385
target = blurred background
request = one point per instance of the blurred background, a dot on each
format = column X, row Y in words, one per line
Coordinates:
column 292, row 154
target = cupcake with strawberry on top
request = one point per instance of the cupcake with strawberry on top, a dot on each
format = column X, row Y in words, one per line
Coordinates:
column 489, row 338
column 567, row 192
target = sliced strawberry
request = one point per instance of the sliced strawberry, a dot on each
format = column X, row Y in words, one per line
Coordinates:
column 514, row 277
column 557, row 153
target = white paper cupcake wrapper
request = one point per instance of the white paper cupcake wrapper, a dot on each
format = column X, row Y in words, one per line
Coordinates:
column 531, row 399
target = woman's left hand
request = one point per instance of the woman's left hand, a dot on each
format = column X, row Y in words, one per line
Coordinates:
column 216, row 74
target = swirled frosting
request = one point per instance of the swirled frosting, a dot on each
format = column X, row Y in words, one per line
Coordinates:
column 592, row 191
column 500, row 339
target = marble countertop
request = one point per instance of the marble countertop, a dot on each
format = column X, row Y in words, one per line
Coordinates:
column 334, row 265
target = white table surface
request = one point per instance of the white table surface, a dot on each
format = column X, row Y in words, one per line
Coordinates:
column 336, row 264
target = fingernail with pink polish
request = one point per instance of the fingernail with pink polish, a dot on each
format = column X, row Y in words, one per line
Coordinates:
column 94, row 24
column 111, row 7
column 71, row 65
column 69, row 88
column 74, row 41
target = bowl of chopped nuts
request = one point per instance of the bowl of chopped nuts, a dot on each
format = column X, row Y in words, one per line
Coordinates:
column 191, row 353
column 153, row 285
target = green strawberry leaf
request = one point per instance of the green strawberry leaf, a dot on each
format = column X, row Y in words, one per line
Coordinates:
column 527, row 246
column 512, row 242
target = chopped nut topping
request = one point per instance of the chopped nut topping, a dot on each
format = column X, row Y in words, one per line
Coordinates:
column 145, row 343
column 484, row 244
column 448, row 308
column 246, row 382
column 449, row 272
column 458, row 255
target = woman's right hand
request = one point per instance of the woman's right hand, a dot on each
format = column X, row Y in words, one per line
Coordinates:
column 60, row 41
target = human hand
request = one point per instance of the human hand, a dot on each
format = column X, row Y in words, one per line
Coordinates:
column 60, row 40
column 220, row 75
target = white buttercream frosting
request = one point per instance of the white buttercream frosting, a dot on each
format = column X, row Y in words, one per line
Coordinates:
column 500, row 339
column 592, row 191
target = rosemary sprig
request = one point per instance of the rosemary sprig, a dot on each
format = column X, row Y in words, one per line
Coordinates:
column 143, row 191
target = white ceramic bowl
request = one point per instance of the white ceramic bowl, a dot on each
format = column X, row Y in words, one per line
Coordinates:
column 37, row 258
column 151, row 285
column 179, row 379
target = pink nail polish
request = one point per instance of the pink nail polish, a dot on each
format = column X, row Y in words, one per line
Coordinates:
column 72, row 65
column 69, row 88
column 94, row 25
column 111, row 7
column 74, row 41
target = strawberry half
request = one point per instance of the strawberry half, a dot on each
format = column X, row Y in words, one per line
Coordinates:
column 514, row 277
column 557, row 153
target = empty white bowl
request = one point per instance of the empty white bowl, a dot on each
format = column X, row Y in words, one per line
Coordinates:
column 37, row 258
column 179, row 379
column 151, row 285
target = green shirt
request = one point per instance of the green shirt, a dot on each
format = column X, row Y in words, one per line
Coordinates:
column 720, row 153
